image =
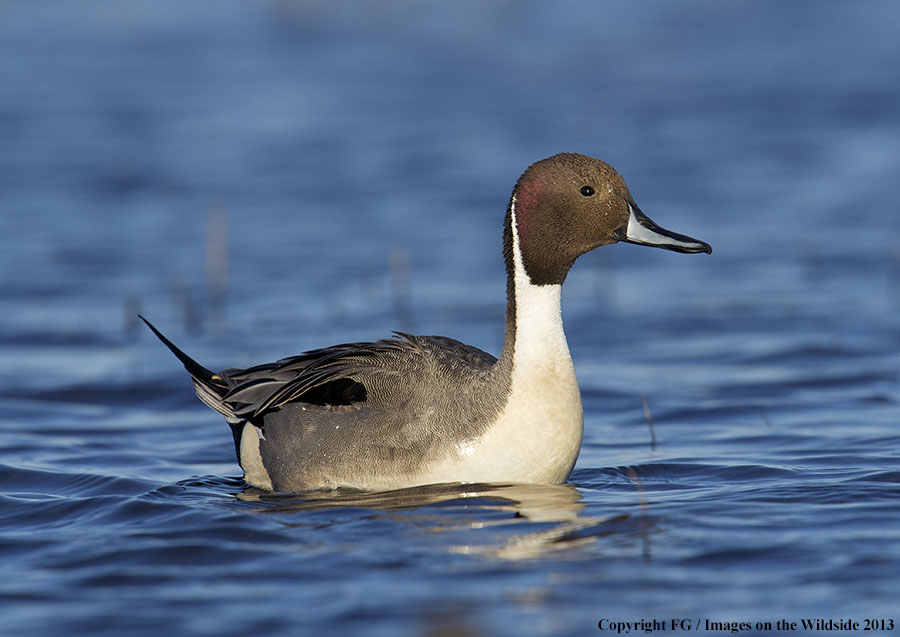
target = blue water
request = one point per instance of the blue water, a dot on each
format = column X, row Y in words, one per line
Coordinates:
column 264, row 178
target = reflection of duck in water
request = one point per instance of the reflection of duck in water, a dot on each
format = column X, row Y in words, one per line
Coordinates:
column 539, row 518
column 417, row 410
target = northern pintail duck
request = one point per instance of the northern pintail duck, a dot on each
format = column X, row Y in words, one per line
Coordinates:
column 414, row 410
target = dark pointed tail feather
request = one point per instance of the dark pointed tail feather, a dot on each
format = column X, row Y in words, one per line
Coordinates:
column 194, row 368
column 211, row 388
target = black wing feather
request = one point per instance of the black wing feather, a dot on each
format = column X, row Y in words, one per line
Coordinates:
column 329, row 376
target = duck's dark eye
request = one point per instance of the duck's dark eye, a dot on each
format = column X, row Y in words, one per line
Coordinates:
column 587, row 191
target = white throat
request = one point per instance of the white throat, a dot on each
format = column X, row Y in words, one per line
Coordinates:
column 537, row 436
column 540, row 339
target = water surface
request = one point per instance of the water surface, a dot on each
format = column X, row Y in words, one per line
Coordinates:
column 260, row 179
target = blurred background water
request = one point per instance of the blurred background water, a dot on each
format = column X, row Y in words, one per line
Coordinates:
column 264, row 178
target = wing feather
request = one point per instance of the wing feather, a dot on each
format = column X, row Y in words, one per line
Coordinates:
column 258, row 390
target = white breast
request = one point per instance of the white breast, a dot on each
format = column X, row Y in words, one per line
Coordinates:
column 541, row 427
column 538, row 434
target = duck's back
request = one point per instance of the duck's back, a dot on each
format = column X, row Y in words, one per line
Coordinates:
column 368, row 415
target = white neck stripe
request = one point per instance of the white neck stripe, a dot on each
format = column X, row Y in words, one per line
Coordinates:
column 539, row 330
